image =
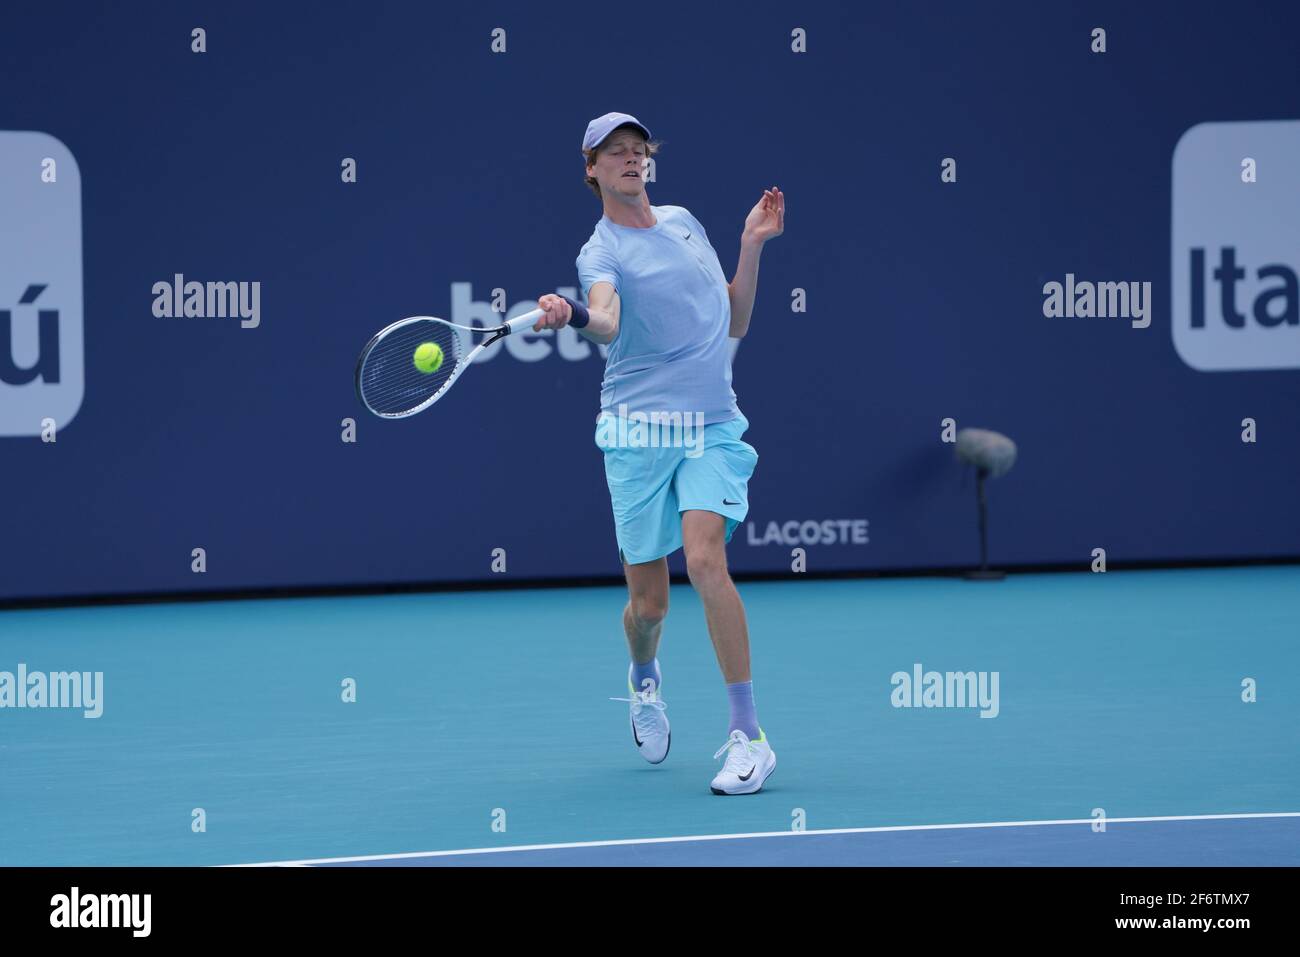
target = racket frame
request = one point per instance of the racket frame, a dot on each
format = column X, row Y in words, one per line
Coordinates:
column 493, row 333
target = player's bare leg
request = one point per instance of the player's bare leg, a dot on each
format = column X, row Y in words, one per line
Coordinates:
column 749, row 757
column 647, row 604
column 643, row 619
column 704, row 541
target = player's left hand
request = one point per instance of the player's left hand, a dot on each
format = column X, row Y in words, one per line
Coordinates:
column 767, row 219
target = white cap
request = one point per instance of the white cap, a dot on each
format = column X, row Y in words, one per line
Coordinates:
column 600, row 128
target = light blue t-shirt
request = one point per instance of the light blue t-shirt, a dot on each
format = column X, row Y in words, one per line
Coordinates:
column 672, row 352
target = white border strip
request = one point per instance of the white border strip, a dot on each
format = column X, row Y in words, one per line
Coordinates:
column 736, row 837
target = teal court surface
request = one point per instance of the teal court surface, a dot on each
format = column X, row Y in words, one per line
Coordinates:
column 482, row 730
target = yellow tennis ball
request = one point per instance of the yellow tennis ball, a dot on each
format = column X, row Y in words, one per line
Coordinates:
column 428, row 357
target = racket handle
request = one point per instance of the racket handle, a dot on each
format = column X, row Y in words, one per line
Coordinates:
column 579, row 318
column 526, row 321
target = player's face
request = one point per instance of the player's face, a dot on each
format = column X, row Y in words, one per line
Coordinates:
column 621, row 164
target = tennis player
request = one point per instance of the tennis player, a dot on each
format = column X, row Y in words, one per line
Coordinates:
column 657, row 297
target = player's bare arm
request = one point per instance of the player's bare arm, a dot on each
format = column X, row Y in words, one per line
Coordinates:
column 765, row 221
column 602, row 307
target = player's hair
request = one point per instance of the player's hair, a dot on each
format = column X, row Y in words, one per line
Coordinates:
column 589, row 157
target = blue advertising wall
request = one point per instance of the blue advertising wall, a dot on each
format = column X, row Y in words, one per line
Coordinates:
column 924, row 298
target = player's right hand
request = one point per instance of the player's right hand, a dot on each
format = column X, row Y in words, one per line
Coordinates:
column 558, row 312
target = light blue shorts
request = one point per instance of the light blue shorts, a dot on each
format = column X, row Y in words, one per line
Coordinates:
column 649, row 486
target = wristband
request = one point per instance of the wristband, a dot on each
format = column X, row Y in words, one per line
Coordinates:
column 580, row 315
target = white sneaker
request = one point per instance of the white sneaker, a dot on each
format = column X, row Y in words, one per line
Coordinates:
column 748, row 764
column 649, row 723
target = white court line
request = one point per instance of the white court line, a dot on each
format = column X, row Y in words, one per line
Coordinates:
column 736, row 837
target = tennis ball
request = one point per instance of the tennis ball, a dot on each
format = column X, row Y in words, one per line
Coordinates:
column 428, row 357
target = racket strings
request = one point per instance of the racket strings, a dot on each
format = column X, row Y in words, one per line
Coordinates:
column 389, row 381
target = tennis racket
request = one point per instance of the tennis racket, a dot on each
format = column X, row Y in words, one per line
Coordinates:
column 392, row 385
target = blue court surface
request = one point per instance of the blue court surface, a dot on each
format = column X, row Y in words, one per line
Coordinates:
column 482, row 733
